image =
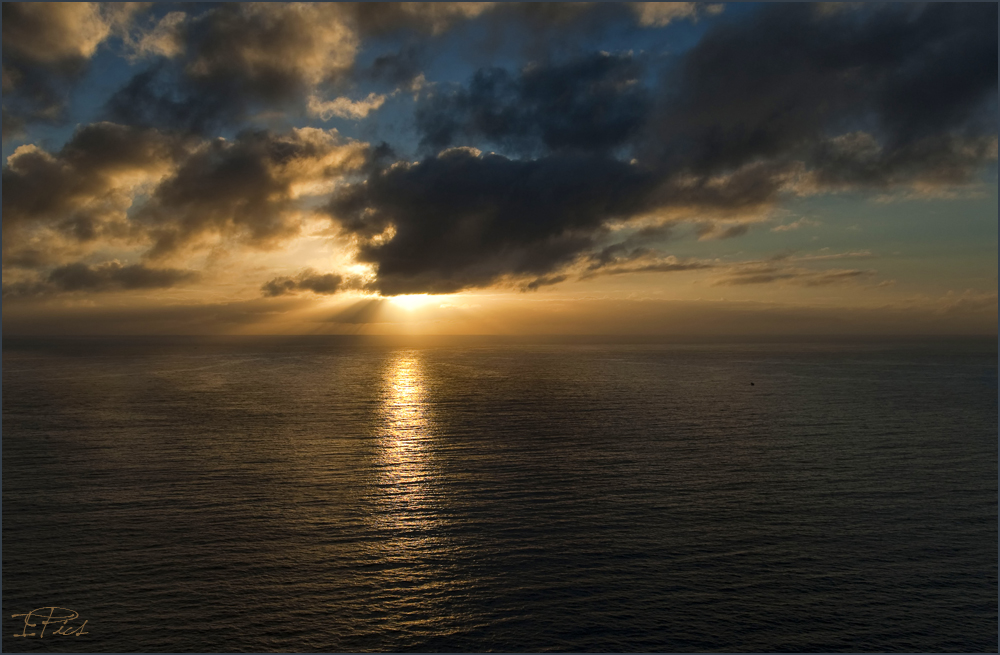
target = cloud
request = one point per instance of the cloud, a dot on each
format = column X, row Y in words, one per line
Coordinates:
column 719, row 143
column 933, row 166
column 711, row 230
column 81, row 195
column 768, row 272
column 400, row 69
column 543, row 281
column 46, row 49
column 622, row 259
column 854, row 254
column 60, row 33
column 794, row 225
column 307, row 280
column 617, row 259
column 344, row 107
column 378, row 19
column 876, row 99
column 968, row 301
column 109, row 276
column 593, row 103
column 248, row 189
column 659, row 14
column 164, row 193
column 466, row 219
column 919, row 75
column 233, row 60
column 165, row 39
column 463, row 219
column 222, row 65
column 833, row 277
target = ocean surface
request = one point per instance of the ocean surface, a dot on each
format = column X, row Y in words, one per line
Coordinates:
column 347, row 494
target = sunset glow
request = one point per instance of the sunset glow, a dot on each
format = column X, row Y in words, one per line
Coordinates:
column 411, row 302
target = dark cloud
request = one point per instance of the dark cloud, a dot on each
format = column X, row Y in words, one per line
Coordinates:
column 857, row 161
column 592, row 104
column 780, row 85
column 13, row 124
column 39, row 186
column 861, row 72
column 462, row 219
column 542, row 29
column 160, row 97
column 82, row 193
column 42, row 55
column 109, row 276
column 398, row 69
column 33, row 95
column 307, row 280
column 233, row 59
column 547, row 280
column 112, row 275
column 46, row 49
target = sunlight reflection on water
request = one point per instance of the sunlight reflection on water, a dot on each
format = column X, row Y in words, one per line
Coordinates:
column 411, row 562
column 402, row 449
column 404, row 464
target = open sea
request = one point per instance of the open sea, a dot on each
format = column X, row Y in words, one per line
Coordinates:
column 351, row 494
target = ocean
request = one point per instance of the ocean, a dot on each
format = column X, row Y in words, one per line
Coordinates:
column 353, row 494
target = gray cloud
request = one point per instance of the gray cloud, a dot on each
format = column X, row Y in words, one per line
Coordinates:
column 618, row 259
column 590, row 104
column 547, row 280
column 765, row 273
column 46, row 49
column 915, row 79
column 232, row 59
column 307, row 280
column 109, row 276
column 462, row 219
column 82, row 194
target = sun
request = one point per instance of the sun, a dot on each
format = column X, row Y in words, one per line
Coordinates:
column 410, row 302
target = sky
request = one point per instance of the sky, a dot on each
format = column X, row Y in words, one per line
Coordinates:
column 673, row 169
